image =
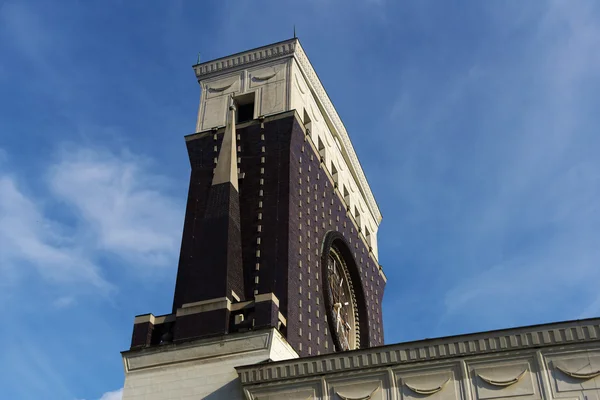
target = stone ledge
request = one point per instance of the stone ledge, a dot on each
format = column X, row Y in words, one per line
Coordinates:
column 220, row 129
column 228, row 345
column 204, row 306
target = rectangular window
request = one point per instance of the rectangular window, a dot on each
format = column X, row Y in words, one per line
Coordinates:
column 307, row 122
column 245, row 107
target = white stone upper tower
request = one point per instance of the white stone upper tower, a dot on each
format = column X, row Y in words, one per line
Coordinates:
column 278, row 78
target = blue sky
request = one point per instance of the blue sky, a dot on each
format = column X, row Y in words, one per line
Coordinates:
column 476, row 123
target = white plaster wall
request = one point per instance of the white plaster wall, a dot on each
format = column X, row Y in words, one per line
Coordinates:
column 175, row 375
column 214, row 98
column 199, row 379
column 267, row 82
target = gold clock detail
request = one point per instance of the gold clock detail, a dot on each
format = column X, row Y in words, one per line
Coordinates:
column 343, row 305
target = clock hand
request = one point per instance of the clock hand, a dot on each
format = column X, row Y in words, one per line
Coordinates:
column 337, row 307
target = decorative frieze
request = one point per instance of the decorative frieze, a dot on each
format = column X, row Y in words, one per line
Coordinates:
column 563, row 364
column 479, row 344
column 243, row 59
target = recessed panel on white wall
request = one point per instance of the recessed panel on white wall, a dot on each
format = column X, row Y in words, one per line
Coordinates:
column 505, row 380
column 214, row 112
column 215, row 100
column 372, row 387
column 272, row 98
column 219, row 87
column 438, row 383
column 575, row 374
column 267, row 74
column 305, row 391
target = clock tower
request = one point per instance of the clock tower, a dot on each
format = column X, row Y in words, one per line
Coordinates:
column 280, row 231
column 278, row 291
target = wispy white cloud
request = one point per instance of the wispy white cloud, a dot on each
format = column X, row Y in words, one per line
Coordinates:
column 29, row 362
column 29, row 237
column 26, row 30
column 39, row 46
column 550, row 277
column 550, row 185
column 116, row 395
column 127, row 209
column 118, row 207
column 514, row 185
column 64, row 302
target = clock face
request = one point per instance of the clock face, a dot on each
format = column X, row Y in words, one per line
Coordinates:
column 342, row 303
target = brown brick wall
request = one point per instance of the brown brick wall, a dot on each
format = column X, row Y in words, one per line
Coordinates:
column 283, row 227
column 188, row 327
column 316, row 209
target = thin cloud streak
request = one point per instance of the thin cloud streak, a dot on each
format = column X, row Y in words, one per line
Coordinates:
column 116, row 395
column 486, row 171
column 29, row 237
column 127, row 208
column 549, row 186
column 513, row 212
column 118, row 208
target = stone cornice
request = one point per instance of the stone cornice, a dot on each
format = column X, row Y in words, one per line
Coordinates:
column 292, row 48
column 245, row 59
column 562, row 333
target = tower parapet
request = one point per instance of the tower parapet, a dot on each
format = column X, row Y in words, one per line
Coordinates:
column 279, row 77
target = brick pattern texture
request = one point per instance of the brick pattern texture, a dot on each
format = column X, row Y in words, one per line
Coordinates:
column 287, row 206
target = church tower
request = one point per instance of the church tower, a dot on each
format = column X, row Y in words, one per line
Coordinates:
column 279, row 248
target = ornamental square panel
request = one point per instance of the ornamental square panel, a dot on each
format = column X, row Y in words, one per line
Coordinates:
column 507, row 379
column 440, row 382
column 267, row 74
column 214, row 112
column 359, row 387
column 272, row 98
column 575, row 374
column 222, row 86
column 295, row 391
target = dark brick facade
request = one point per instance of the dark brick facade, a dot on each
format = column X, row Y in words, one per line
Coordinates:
column 288, row 203
column 315, row 209
column 142, row 335
column 201, row 324
column 212, row 266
